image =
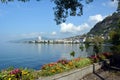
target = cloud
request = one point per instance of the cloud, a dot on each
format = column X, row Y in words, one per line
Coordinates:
column 71, row 28
column 82, row 28
column 96, row 18
column 92, row 20
column 111, row 3
column 53, row 33
column 67, row 29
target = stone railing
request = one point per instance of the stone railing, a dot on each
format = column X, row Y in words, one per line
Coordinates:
column 75, row 74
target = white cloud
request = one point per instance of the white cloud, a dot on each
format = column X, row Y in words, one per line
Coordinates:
column 96, row 18
column 68, row 29
column 111, row 3
column 82, row 28
column 71, row 28
column 53, row 33
column 92, row 20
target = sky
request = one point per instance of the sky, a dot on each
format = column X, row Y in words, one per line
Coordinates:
column 27, row 20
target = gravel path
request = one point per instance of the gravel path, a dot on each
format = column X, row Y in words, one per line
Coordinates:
column 103, row 75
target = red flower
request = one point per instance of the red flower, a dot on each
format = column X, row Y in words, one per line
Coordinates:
column 49, row 65
column 63, row 61
column 52, row 64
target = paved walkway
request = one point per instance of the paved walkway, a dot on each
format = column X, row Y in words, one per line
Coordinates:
column 103, row 75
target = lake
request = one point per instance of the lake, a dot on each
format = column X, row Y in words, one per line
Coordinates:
column 35, row 55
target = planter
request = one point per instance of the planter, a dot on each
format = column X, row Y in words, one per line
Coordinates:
column 75, row 74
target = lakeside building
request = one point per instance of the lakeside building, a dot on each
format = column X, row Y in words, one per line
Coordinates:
column 60, row 41
column 39, row 38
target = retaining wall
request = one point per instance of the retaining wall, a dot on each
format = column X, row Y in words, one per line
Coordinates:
column 75, row 74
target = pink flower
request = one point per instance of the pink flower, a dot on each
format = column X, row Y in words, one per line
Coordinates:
column 15, row 71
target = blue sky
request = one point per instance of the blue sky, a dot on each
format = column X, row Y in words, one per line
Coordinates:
column 25, row 20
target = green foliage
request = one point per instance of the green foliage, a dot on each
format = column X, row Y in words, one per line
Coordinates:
column 115, row 40
column 112, row 33
column 87, row 45
column 97, row 41
column 64, row 8
column 81, row 47
column 82, row 62
column 96, row 48
column 72, row 53
column 116, row 49
column 102, row 57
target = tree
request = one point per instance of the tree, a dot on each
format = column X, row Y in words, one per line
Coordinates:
column 64, row 8
column 115, row 40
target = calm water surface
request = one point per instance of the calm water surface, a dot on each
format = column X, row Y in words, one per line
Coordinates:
column 35, row 55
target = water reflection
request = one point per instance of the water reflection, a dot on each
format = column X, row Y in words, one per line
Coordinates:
column 63, row 50
column 39, row 47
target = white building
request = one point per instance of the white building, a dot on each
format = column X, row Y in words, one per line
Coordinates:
column 39, row 38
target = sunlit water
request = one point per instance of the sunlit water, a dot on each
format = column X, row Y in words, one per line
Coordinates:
column 35, row 55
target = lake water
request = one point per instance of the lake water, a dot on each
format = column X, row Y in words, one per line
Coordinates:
column 35, row 55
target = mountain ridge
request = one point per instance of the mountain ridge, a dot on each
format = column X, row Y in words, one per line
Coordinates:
column 108, row 24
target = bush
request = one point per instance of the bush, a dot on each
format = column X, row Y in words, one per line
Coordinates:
column 116, row 49
column 100, row 57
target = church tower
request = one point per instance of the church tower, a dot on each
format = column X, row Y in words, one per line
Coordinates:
column 39, row 38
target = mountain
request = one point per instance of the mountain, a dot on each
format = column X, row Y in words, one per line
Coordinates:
column 102, row 28
column 30, row 39
column 105, row 26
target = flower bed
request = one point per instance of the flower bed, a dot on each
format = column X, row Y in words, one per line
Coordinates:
column 64, row 65
column 18, row 74
column 50, row 69
column 74, row 74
